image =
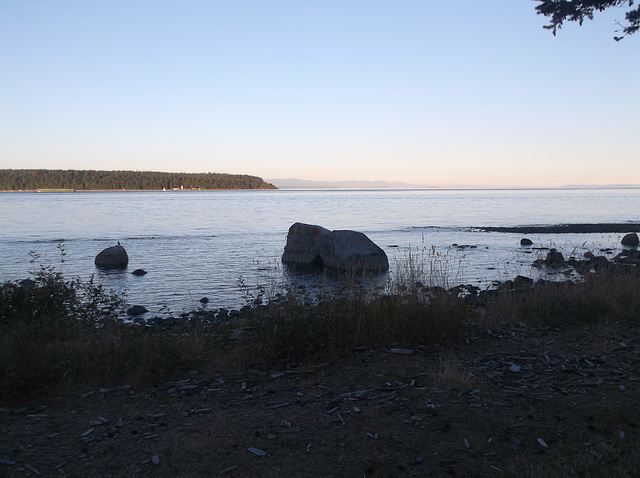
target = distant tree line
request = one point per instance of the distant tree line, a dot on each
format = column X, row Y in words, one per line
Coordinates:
column 33, row 179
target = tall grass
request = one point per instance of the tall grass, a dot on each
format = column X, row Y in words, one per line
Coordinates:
column 363, row 313
column 611, row 292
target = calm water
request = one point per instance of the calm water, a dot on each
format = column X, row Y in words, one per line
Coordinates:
column 199, row 243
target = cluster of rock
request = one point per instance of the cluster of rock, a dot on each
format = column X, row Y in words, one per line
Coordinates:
column 310, row 245
column 195, row 318
column 627, row 257
column 341, row 250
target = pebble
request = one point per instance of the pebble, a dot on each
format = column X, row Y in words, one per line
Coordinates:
column 32, row 469
column 257, row 451
column 227, row 470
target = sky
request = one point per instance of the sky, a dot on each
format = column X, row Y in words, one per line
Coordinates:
column 421, row 91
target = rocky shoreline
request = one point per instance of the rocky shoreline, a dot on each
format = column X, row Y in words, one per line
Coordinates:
column 589, row 228
column 554, row 262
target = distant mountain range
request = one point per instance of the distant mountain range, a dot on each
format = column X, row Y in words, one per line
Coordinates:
column 292, row 183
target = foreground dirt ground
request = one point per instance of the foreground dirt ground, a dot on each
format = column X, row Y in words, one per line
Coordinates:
column 516, row 401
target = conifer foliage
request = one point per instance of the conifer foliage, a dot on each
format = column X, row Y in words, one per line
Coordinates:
column 34, row 179
column 560, row 11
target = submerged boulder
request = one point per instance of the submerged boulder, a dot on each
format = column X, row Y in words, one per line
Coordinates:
column 630, row 239
column 312, row 245
column 137, row 310
column 114, row 257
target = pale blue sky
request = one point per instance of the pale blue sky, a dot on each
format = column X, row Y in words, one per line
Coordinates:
column 430, row 91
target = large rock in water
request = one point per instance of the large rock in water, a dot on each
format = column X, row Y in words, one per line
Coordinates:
column 113, row 258
column 304, row 242
column 316, row 246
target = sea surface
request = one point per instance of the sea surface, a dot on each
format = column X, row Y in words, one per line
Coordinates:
column 196, row 244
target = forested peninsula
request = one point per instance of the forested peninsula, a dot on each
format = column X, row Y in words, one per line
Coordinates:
column 88, row 180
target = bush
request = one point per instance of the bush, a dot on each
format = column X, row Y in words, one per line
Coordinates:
column 57, row 333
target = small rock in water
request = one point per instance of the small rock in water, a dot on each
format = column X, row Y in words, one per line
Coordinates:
column 554, row 258
column 515, row 368
column 204, row 300
column 139, row 272
column 155, row 460
column 137, row 310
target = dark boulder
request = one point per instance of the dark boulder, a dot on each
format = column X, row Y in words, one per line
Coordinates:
column 137, row 310
column 526, row 242
column 304, row 242
column 522, row 282
column 628, row 257
column 352, row 249
column 114, row 257
column 27, row 283
column 310, row 245
column 630, row 239
column 554, row 258
column 139, row 272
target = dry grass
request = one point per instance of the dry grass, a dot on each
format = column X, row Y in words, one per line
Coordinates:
column 448, row 373
column 605, row 294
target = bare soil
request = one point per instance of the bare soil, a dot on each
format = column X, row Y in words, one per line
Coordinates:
column 519, row 401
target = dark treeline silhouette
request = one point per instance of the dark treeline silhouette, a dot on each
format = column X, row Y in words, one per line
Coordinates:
column 34, row 179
